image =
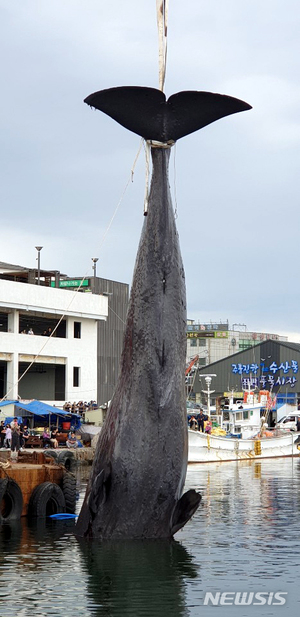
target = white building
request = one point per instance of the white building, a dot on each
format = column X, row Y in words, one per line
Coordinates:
column 211, row 342
column 57, row 368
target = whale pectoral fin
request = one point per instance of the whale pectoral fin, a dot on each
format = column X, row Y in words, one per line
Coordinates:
column 185, row 508
column 100, row 489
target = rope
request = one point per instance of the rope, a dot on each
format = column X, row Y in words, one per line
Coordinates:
column 46, row 342
column 5, row 465
column 147, row 172
column 162, row 8
column 130, row 179
column 160, row 144
column 175, row 193
column 118, row 316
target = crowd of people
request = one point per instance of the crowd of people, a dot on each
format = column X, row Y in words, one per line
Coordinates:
column 47, row 332
column 200, row 423
column 13, row 436
column 80, row 407
column 50, row 439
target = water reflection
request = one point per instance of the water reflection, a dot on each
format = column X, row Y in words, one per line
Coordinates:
column 137, row 578
column 245, row 535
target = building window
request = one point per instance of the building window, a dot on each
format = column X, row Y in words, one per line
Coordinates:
column 193, row 342
column 76, row 376
column 77, row 329
column 202, row 342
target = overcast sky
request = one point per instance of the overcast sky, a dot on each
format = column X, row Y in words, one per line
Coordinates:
column 64, row 167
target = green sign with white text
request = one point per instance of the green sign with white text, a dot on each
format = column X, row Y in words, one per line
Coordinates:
column 72, row 283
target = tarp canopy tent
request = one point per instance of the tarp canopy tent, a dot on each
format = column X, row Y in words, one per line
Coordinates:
column 40, row 409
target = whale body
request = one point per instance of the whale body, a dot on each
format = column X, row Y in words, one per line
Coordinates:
column 139, row 468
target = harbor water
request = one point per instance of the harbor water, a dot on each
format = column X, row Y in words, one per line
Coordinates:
column 241, row 549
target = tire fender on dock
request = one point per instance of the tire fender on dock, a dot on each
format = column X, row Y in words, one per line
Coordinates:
column 11, row 500
column 69, row 491
column 46, row 499
column 67, row 459
column 51, row 454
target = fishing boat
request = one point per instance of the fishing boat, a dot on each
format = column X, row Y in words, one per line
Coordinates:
column 205, row 448
column 239, row 431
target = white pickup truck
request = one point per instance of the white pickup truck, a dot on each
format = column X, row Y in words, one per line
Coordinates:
column 289, row 422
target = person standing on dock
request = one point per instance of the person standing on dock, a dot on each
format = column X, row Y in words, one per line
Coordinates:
column 15, row 436
column 2, row 434
column 7, row 440
column 201, row 419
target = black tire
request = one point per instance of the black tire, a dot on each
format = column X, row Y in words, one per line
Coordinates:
column 69, row 491
column 67, row 459
column 11, row 501
column 51, row 453
column 46, row 499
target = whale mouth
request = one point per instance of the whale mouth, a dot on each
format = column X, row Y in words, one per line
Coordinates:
column 146, row 111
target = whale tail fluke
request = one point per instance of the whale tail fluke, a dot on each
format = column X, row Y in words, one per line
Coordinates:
column 146, row 111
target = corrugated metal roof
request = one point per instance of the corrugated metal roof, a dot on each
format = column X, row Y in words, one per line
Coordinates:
column 6, row 268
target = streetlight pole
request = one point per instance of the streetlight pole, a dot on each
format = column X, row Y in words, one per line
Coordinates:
column 208, row 380
column 39, row 248
column 94, row 260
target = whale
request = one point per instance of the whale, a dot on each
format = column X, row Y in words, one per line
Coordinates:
column 135, row 489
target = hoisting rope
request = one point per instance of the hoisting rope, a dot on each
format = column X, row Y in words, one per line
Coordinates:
column 147, row 172
column 45, row 343
column 162, row 8
column 130, row 179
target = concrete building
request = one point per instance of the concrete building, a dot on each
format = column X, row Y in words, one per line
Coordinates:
column 110, row 335
column 213, row 341
column 80, row 362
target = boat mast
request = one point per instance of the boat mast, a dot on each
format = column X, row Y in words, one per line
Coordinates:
column 208, row 380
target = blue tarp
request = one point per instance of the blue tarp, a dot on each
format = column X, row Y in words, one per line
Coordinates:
column 9, row 419
column 38, row 408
